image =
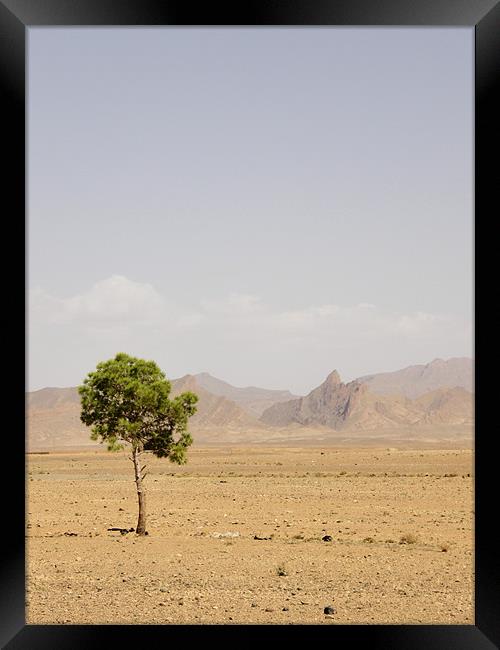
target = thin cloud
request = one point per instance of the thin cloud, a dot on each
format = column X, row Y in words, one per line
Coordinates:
column 115, row 300
column 249, row 315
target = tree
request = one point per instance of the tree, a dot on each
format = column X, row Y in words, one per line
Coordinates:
column 126, row 402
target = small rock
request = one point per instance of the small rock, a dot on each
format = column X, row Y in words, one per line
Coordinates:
column 253, row 605
column 285, row 609
column 269, row 609
column 329, row 610
column 327, row 538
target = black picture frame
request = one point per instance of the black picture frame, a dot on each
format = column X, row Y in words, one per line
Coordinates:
column 18, row 15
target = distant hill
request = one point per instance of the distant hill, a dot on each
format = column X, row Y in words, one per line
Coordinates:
column 447, row 406
column 418, row 380
column 329, row 405
column 213, row 411
column 48, row 398
column 252, row 399
column 53, row 420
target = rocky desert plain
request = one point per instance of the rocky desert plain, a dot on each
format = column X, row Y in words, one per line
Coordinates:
column 353, row 504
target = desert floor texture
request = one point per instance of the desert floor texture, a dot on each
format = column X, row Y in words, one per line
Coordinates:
column 235, row 536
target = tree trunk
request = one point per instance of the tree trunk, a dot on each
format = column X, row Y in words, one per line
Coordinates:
column 141, row 522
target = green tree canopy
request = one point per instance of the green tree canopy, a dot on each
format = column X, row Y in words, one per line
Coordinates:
column 127, row 400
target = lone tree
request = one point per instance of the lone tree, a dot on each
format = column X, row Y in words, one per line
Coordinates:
column 126, row 402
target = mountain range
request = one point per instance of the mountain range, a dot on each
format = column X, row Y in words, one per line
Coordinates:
column 354, row 407
column 436, row 398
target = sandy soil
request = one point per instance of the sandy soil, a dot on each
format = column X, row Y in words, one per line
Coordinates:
column 367, row 500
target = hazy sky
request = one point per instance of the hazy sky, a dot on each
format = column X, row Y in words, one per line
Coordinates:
column 262, row 204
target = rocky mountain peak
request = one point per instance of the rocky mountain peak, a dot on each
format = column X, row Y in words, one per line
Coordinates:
column 333, row 378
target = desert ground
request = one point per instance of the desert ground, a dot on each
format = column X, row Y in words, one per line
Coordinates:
column 235, row 537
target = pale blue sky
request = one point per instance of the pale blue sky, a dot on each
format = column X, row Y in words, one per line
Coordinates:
column 262, row 204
